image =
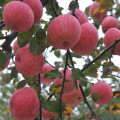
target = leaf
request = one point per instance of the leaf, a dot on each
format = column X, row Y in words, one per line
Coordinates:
column 21, row 84
column 52, row 106
column 115, row 108
column 23, row 38
column 14, row 72
column 55, row 89
column 68, row 112
column 87, row 91
column 3, row 59
column 2, row 2
column 57, row 53
column 95, row 97
column 72, row 4
column 38, row 43
column 53, row 74
column 87, row 10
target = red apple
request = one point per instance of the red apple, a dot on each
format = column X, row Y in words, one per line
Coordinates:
column 96, row 12
column 15, row 46
column 73, row 99
column 109, row 22
column 104, row 91
column 110, row 36
column 82, row 18
column 64, row 31
column 68, row 87
column 18, row 16
column 46, row 115
column 45, row 70
column 24, row 104
column 27, row 63
column 36, row 7
column 88, row 40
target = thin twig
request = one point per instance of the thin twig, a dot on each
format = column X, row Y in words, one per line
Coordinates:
column 56, row 14
column 39, row 95
column 2, row 25
column 63, row 83
column 106, row 50
column 50, row 96
column 74, row 7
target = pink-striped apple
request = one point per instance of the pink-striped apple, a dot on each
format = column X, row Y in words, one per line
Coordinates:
column 88, row 40
column 24, row 104
column 27, row 63
column 64, row 32
column 15, row 46
column 18, row 16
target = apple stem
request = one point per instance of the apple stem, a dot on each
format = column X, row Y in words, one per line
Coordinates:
column 63, row 83
column 39, row 95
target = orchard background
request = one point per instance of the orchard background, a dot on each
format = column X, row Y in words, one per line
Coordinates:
column 99, row 65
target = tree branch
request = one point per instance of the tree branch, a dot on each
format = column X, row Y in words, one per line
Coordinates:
column 56, row 14
column 63, row 83
column 2, row 25
column 74, row 7
column 106, row 50
column 39, row 95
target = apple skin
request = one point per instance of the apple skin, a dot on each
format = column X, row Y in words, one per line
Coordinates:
column 46, row 115
column 105, row 92
column 6, row 65
column 18, row 16
column 64, row 31
column 24, row 104
column 99, row 15
column 82, row 18
column 36, row 7
column 45, row 70
column 15, row 46
column 73, row 99
column 109, row 22
column 88, row 40
column 28, row 64
column 110, row 36
column 68, row 86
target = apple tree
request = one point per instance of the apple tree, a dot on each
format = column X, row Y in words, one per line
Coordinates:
column 62, row 68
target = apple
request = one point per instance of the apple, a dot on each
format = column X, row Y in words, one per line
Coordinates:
column 104, row 91
column 28, row 64
column 68, row 87
column 46, row 115
column 73, row 99
column 97, row 13
column 24, row 104
column 109, row 22
column 64, row 32
column 47, row 68
column 88, row 40
column 15, row 46
column 81, row 16
column 0, row 80
column 110, row 36
column 18, row 16
column 36, row 7
column 6, row 65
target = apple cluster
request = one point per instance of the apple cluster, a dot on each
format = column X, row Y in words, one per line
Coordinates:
column 20, row 16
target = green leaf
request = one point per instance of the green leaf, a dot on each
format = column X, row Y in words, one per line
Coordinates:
column 38, row 43
column 52, row 106
column 23, row 38
column 74, row 81
column 21, row 84
column 95, row 97
column 14, row 72
column 2, row 2
column 87, row 91
column 53, row 74
column 57, row 53
column 3, row 59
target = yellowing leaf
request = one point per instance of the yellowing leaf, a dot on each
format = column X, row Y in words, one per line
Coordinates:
column 36, row 89
column 117, row 94
column 96, row 75
column 68, row 112
column 55, row 89
column 106, row 4
column 96, row 11
column 115, row 108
